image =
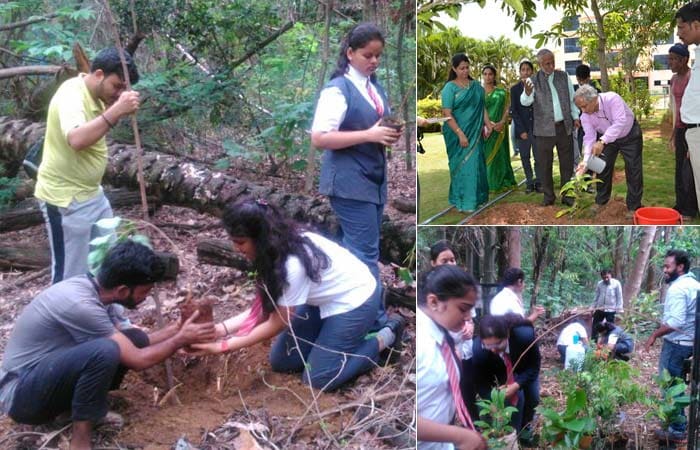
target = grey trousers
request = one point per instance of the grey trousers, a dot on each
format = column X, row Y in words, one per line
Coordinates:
column 70, row 231
column 544, row 155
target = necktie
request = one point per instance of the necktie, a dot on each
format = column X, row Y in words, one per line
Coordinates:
column 462, row 412
column 510, row 379
column 377, row 103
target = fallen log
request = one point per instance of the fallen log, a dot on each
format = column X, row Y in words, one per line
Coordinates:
column 218, row 252
column 33, row 256
column 197, row 186
column 27, row 213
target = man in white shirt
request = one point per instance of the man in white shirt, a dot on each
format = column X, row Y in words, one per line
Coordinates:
column 688, row 22
column 510, row 298
column 608, row 300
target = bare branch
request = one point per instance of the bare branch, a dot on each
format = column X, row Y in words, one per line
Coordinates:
column 24, row 23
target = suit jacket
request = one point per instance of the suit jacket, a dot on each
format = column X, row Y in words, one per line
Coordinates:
column 523, row 117
column 490, row 370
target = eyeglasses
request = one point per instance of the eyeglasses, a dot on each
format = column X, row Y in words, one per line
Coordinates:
column 496, row 346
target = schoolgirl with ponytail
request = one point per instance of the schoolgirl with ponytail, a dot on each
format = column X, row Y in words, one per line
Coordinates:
column 314, row 295
column 347, row 126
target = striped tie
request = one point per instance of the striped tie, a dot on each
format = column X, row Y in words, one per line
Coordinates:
column 452, row 376
column 510, row 378
column 377, row 103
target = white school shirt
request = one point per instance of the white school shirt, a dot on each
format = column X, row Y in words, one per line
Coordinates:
column 345, row 284
column 506, row 301
column 435, row 400
column 567, row 334
column 331, row 106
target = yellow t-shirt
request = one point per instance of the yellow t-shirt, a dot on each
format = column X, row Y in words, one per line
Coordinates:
column 66, row 174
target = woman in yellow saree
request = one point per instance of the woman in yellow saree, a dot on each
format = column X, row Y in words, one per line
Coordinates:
column 463, row 102
column 498, row 169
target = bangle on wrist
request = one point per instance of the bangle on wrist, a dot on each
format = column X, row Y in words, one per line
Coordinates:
column 224, row 345
column 225, row 328
column 110, row 124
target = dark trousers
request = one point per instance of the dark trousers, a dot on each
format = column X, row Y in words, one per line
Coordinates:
column 686, row 198
column 466, row 384
column 75, row 379
column 598, row 316
column 528, row 399
column 544, row 155
column 360, row 226
column 630, row 147
column 335, row 350
column 526, row 149
column 672, row 358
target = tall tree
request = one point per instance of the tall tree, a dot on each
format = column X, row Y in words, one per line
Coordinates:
column 638, row 269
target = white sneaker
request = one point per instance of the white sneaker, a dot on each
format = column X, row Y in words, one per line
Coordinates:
column 111, row 420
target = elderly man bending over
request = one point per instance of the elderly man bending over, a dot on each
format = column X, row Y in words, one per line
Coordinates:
column 610, row 128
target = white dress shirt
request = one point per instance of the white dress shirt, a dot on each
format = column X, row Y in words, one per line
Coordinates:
column 331, row 106
column 690, row 107
column 435, row 400
column 506, row 301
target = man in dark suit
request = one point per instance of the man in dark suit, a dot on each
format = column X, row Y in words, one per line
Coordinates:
column 523, row 120
column 504, row 356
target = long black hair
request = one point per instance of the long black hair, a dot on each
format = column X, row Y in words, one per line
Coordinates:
column 445, row 282
column 358, row 36
column 457, row 59
column 275, row 238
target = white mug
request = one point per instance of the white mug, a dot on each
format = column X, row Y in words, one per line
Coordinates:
column 596, row 164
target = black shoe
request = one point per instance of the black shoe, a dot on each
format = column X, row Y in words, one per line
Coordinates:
column 538, row 189
column 547, row 203
column 396, row 323
column 568, row 201
column 530, row 189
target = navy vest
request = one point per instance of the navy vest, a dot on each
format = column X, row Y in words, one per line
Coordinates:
column 357, row 172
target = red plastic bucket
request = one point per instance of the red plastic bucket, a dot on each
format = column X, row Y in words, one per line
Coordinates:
column 657, row 216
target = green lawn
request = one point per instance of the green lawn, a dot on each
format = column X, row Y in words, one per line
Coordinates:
column 434, row 177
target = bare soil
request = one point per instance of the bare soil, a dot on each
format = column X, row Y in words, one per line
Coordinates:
column 233, row 401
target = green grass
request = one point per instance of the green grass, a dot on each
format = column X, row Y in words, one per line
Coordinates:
column 434, row 177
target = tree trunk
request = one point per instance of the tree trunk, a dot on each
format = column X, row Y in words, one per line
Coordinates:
column 514, row 247
column 409, row 132
column 490, row 241
column 196, row 186
column 618, row 253
column 634, row 281
column 602, row 40
column 539, row 250
column 325, row 55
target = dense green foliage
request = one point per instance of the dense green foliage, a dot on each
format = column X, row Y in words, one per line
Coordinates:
column 238, row 78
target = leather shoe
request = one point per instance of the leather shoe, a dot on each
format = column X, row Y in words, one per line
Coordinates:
column 530, row 189
column 538, row 189
column 547, row 203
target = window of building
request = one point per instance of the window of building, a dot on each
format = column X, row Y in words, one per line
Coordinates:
column 570, row 66
column 570, row 23
column 668, row 40
column 572, row 45
column 660, row 62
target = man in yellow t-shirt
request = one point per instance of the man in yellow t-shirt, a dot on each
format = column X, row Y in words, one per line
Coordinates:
column 74, row 158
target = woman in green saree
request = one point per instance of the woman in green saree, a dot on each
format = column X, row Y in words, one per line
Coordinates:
column 463, row 103
column 498, row 169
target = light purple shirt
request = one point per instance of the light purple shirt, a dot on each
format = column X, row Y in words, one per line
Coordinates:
column 613, row 120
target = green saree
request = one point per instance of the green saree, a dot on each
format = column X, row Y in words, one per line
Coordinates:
column 498, row 169
column 468, row 184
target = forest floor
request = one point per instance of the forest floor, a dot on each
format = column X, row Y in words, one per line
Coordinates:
column 233, row 401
